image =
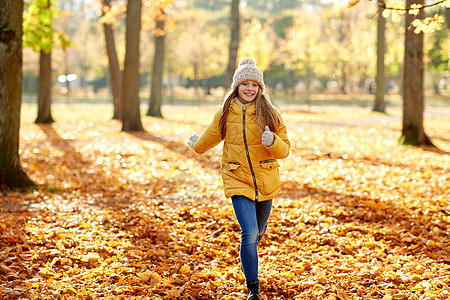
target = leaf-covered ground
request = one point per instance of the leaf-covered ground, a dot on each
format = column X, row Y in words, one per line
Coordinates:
column 140, row 216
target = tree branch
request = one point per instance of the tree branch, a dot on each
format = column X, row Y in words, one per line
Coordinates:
column 382, row 4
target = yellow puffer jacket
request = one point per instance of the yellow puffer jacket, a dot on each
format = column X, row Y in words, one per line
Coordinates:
column 249, row 168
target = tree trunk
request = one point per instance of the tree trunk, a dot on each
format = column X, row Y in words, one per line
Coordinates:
column 413, row 96
column 196, row 80
column 67, row 72
column 154, row 108
column 380, row 78
column 234, row 43
column 45, row 86
column 344, row 81
column 11, row 172
column 45, row 89
column 447, row 17
column 131, row 116
column 308, row 81
column 114, row 69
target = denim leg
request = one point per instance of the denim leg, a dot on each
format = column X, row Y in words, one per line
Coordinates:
column 252, row 217
column 263, row 209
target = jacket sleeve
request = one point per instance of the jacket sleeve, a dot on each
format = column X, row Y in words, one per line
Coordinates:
column 211, row 137
column 281, row 145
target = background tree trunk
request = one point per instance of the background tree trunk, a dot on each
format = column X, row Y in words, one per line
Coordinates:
column 11, row 172
column 234, row 43
column 308, row 82
column 380, row 79
column 196, row 80
column 413, row 95
column 131, row 116
column 447, row 17
column 45, row 89
column 45, row 85
column 114, row 69
column 154, row 108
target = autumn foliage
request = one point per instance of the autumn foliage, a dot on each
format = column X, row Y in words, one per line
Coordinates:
column 140, row 216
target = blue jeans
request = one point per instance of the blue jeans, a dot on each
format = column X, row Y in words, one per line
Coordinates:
column 252, row 217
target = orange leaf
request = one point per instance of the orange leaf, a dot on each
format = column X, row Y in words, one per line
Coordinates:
column 352, row 3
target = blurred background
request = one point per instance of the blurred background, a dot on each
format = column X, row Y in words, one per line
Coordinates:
column 310, row 51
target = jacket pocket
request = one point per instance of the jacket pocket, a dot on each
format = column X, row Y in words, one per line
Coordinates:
column 270, row 176
column 231, row 175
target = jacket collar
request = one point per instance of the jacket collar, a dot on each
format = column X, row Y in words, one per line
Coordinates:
column 236, row 108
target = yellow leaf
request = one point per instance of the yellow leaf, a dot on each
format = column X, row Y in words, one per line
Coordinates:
column 144, row 276
column 127, row 245
column 185, row 269
column 175, row 293
column 416, row 22
column 85, row 225
column 352, row 3
column 415, row 9
column 342, row 295
column 372, row 204
column 70, row 290
column 60, row 246
column 340, row 212
column 46, row 272
column 412, row 247
column 433, row 244
column 418, row 30
column 387, row 297
column 91, row 257
column 154, row 276
column 396, row 16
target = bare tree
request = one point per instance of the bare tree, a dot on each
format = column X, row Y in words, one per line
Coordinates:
column 234, row 42
column 11, row 16
column 131, row 116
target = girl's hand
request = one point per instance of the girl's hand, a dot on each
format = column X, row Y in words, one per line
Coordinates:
column 267, row 138
column 192, row 140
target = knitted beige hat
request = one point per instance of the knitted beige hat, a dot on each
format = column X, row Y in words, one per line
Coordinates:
column 247, row 70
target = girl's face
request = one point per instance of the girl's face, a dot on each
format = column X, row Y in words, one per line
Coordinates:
column 247, row 91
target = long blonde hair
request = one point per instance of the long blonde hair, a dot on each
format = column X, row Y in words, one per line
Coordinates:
column 266, row 114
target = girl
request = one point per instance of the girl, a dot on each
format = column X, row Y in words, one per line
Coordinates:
column 255, row 137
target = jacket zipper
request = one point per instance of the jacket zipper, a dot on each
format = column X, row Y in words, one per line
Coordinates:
column 248, row 156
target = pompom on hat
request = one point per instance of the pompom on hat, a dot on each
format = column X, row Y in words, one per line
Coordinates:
column 247, row 70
